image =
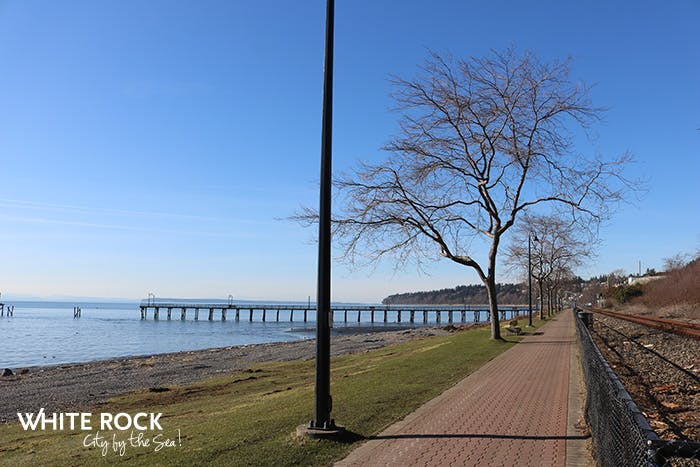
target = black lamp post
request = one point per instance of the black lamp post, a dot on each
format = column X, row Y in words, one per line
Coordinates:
column 529, row 281
column 323, row 425
column 323, row 406
column 529, row 278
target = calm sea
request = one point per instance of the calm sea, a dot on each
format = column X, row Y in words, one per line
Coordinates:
column 45, row 333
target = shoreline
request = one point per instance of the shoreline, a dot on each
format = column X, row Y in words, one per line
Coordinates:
column 79, row 386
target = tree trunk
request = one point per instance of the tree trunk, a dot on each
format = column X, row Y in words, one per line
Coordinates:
column 491, row 289
column 493, row 307
column 539, row 285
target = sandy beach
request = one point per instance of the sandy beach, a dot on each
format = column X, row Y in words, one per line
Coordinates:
column 82, row 386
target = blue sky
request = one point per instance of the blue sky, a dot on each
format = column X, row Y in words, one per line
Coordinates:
column 154, row 146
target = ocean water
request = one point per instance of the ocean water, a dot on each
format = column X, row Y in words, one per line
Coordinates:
column 45, row 333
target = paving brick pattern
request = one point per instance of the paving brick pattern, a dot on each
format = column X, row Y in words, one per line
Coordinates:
column 512, row 411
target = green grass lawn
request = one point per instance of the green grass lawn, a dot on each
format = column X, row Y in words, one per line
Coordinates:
column 249, row 418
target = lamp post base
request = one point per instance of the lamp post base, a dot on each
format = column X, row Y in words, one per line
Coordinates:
column 332, row 431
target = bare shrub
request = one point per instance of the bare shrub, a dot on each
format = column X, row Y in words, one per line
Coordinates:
column 679, row 286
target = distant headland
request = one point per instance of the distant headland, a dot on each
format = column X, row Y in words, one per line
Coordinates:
column 460, row 295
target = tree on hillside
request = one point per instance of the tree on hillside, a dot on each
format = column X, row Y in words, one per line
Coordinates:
column 481, row 141
column 617, row 277
column 675, row 262
column 558, row 247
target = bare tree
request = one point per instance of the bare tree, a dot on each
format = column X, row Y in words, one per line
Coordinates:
column 558, row 246
column 481, row 141
column 676, row 261
column 617, row 277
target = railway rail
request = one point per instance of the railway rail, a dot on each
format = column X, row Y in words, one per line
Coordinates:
column 682, row 328
column 650, row 350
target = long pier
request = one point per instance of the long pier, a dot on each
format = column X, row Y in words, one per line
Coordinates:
column 345, row 313
column 10, row 310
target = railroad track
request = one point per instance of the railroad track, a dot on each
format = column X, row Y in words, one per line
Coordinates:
column 669, row 325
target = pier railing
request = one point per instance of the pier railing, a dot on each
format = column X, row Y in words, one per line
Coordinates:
column 344, row 313
column 9, row 309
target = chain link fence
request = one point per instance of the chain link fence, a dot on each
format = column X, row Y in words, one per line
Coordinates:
column 621, row 435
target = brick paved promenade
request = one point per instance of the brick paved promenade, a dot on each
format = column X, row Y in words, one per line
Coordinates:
column 519, row 409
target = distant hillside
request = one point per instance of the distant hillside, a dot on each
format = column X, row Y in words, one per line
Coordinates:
column 462, row 294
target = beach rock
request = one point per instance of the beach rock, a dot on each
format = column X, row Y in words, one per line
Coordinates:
column 159, row 389
column 7, row 372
